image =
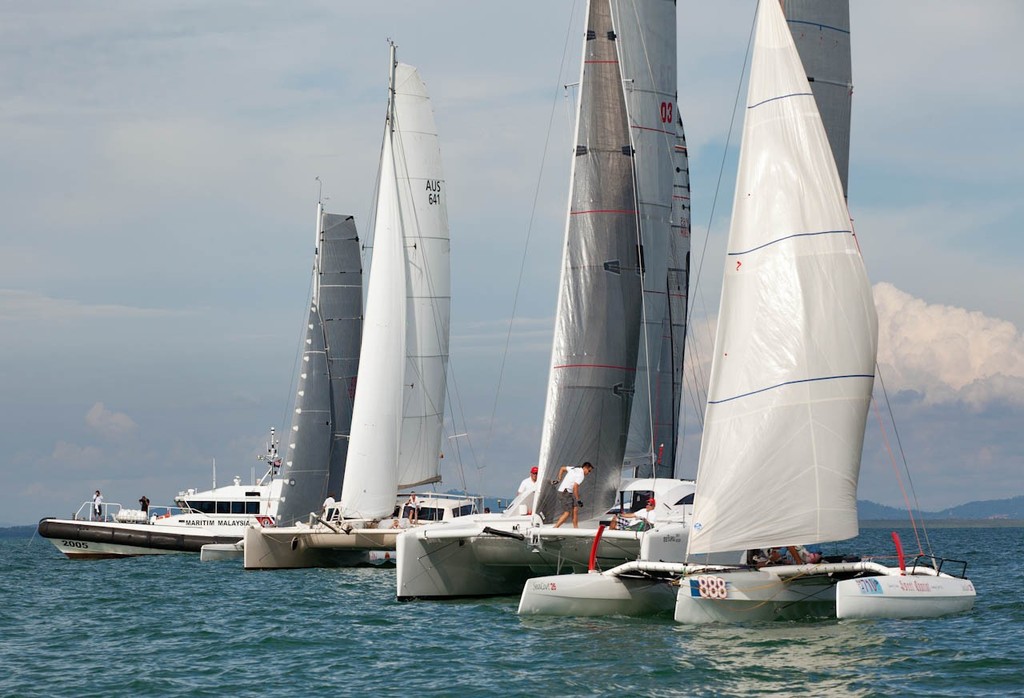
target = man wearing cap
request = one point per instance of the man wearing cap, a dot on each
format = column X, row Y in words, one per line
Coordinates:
column 644, row 518
column 569, row 492
column 529, row 484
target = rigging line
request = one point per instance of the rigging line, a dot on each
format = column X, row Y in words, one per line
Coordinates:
column 906, row 466
column 721, row 170
column 529, row 231
column 296, row 362
column 899, row 480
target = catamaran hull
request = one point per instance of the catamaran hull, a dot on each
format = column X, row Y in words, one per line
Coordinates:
column 295, row 548
column 840, row 590
column 107, row 539
column 752, row 596
column 905, row 596
column 596, row 595
column 443, row 563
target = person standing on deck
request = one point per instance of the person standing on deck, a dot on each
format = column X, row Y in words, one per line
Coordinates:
column 569, row 492
column 97, row 506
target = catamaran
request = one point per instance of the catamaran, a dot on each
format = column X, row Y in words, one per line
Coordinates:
column 398, row 408
column 615, row 376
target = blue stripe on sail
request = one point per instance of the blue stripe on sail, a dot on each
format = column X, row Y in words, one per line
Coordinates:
column 782, row 385
column 773, row 99
column 819, row 25
column 788, row 237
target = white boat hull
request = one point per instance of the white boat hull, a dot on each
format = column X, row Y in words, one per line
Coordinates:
column 216, row 552
column 440, row 562
column 596, row 595
column 302, row 547
column 907, row 596
column 836, row 590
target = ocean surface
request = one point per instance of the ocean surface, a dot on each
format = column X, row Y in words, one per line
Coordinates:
column 174, row 626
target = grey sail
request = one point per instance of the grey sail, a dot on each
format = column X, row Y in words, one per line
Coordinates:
column 821, row 32
column 646, row 42
column 669, row 386
column 341, row 306
column 318, row 440
column 597, row 322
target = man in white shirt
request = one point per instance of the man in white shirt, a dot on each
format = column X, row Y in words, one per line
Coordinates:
column 329, row 504
column 412, row 509
column 569, row 492
column 644, row 518
column 528, row 485
column 97, row 506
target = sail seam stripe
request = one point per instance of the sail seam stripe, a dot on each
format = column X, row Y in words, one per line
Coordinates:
column 598, row 210
column 788, row 237
column 819, row 25
column 600, row 61
column 796, row 382
column 773, row 99
column 651, row 128
column 618, row 368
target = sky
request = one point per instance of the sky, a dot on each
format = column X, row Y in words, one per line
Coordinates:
column 159, row 184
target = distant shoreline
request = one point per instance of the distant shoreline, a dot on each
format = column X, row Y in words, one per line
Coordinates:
column 943, row 523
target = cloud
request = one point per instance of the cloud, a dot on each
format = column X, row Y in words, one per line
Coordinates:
column 947, row 354
column 112, row 425
column 28, row 306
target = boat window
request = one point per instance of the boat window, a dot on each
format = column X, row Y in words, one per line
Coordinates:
column 202, row 507
column 431, row 514
column 223, row 507
column 237, row 507
column 252, row 507
column 688, row 499
column 464, row 510
column 634, row 501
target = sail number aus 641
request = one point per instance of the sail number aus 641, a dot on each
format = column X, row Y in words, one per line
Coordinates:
column 434, row 191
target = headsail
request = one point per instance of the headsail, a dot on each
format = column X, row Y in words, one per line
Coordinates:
column 795, row 349
column 318, row 440
column 371, row 476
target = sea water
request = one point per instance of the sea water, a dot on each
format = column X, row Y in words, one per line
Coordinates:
column 175, row 626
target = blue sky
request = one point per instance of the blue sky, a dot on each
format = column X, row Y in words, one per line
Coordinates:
column 158, row 189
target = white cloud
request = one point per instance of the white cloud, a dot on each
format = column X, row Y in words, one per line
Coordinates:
column 28, row 306
column 112, row 425
column 947, row 354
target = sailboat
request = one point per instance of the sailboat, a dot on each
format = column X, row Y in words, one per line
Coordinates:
column 791, row 381
column 398, row 407
column 613, row 388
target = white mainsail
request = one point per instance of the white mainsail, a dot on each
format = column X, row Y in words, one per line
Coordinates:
column 399, row 404
column 795, row 349
column 423, row 200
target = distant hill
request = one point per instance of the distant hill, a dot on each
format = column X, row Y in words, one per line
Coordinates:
column 1012, row 508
